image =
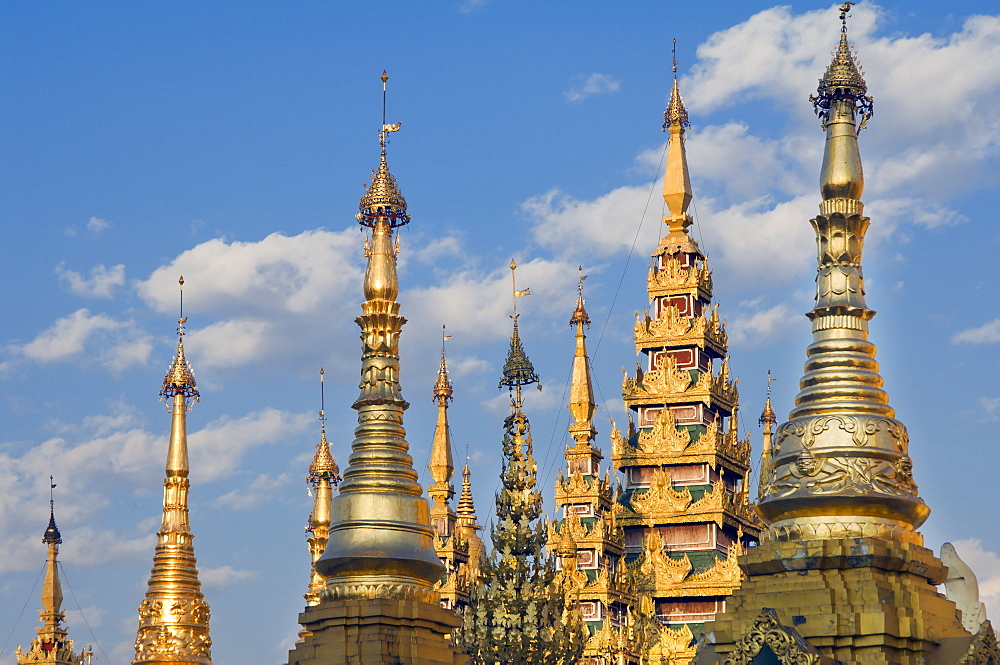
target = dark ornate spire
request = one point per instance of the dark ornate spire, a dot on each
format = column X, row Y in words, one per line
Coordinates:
column 517, row 370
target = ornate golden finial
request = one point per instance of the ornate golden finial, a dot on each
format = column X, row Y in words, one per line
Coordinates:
column 180, row 377
column 466, row 506
column 323, row 465
column 677, row 192
column 443, row 389
column 767, row 416
column 382, row 199
column 174, row 617
column 843, row 81
column 580, row 315
column 517, row 370
column 675, row 113
column 324, row 474
column 581, row 393
column 441, row 467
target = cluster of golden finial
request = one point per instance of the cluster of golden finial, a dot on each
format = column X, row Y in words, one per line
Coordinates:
column 383, row 200
column 675, row 113
column 443, row 390
column 843, row 80
column 180, row 377
column 517, row 370
column 323, row 465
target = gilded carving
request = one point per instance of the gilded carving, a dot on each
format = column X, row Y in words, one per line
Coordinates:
column 787, row 645
column 664, row 437
column 661, row 498
column 655, row 569
column 672, row 276
column 847, row 475
column 984, row 649
column 724, row 572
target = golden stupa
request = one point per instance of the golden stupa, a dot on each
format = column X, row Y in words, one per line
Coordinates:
column 173, row 617
column 841, row 573
column 380, row 567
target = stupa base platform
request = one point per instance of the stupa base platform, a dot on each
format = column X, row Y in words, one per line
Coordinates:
column 372, row 631
column 853, row 600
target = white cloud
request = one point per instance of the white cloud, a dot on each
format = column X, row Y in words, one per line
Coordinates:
column 115, row 452
column 754, row 195
column 986, row 565
column 534, row 400
column 260, row 490
column 470, row 6
column 91, row 616
column 223, row 576
column 988, row 333
column 113, row 343
column 990, row 407
column 606, row 224
column 221, row 444
column 101, row 283
column 96, row 224
column 778, row 56
column 231, row 343
column 588, row 86
column 551, row 283
column 279, row 274
column 246, row 300
column 763, row 326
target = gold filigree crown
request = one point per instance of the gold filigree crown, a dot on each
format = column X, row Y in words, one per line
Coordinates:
column 383, row 200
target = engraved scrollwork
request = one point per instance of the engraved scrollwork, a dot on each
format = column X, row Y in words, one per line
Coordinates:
column 862, row 430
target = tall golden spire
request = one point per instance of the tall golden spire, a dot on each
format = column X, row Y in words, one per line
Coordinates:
column 581, row 393
column 52, row 645
column 442, row 468
column 324, row 474
column 173, row 618
column 677, row 191
column 840, row 464
column 380, row 543
column 768, row 419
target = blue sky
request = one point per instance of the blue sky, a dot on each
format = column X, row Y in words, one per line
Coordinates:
column 229, row 143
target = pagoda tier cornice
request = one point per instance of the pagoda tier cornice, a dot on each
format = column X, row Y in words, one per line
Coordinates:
column 598, row 533
column 660, row 575
column 669, row 385
column 675, row 278
column 673, row 329
column 604, row 586
column 583, row 489
column 664, row 444
column 662, row 504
